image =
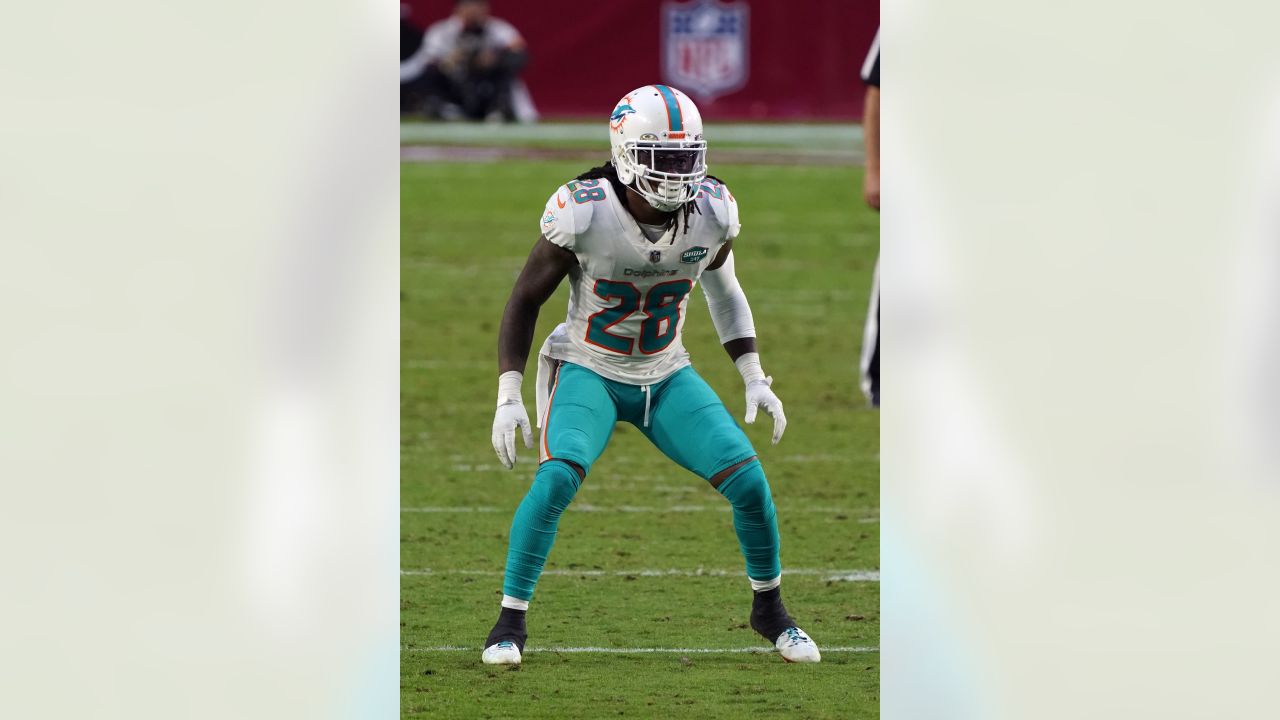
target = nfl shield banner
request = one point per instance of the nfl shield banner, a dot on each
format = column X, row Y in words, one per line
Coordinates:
column 704, row 47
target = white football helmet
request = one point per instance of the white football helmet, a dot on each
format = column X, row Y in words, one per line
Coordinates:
column 658, row 150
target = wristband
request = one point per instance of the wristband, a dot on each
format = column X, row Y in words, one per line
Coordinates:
column 749, row 366
column 509, row 387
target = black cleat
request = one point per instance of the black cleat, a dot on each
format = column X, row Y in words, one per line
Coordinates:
column 505, row 644
column 768, row 616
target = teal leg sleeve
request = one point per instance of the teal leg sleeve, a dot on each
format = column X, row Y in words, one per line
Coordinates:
column 754, row 520
column 533, row 529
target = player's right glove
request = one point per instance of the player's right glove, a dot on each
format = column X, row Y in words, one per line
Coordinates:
column 509, row 416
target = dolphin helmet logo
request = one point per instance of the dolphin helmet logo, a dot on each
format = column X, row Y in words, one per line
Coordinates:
column 620, row 114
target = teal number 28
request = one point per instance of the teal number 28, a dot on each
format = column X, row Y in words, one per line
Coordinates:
column 661, row 309
column 585, row 191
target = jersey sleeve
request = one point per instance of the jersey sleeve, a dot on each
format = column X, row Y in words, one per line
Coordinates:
column 558, row 221
column 732, row 225
column 724, row 206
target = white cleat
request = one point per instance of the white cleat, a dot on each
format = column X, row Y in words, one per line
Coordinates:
column 796, row 647
column 506, row 653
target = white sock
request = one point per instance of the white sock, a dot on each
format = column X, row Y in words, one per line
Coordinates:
column 762, row 585
column 517, row 603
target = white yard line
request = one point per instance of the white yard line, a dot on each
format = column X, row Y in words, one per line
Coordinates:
column 827, row 574
column 458, row 509
column 531, row 460
column 630, row 651
column 855, row 576
column 588, row 507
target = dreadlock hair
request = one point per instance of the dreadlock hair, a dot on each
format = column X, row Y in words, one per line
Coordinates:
column 610, row 173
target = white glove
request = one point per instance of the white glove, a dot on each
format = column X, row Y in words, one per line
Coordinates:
column 509, row 416
column 759, row 395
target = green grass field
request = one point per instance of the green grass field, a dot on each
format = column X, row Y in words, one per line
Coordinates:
column 624, row 574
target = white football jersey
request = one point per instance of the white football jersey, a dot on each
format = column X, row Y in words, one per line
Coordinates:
column 627, row 295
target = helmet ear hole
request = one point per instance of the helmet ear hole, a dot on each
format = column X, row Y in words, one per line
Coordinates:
column 623, row 169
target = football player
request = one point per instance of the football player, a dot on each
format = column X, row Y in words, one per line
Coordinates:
column 634, row 236
column 869, row 363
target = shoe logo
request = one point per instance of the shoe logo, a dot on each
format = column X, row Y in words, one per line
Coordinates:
column 795, row 636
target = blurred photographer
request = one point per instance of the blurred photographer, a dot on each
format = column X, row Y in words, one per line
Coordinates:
column 467, row 68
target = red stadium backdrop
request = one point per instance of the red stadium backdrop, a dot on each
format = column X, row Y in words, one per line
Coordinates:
column 739, row 59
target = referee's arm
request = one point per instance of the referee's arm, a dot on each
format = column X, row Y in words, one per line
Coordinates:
column 871, row 124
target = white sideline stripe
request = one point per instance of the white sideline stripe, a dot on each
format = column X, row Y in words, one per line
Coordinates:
column 630, row 651
column 830, row 575
column 823, row 135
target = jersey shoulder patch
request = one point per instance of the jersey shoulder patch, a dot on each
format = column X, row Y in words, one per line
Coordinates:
column 715, row 196
column 568, row 212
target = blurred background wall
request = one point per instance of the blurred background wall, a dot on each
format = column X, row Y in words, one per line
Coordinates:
column 801, row 59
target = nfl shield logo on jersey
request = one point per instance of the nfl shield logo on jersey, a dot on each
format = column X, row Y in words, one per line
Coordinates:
column 655, row 256
column 704, row 47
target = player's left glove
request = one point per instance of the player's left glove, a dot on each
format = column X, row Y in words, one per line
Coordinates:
column 760, row 395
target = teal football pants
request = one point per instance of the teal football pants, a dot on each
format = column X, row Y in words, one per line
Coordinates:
column 683, row 417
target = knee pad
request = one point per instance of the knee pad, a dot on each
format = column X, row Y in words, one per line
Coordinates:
column 747, row 487
column 557, row 481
